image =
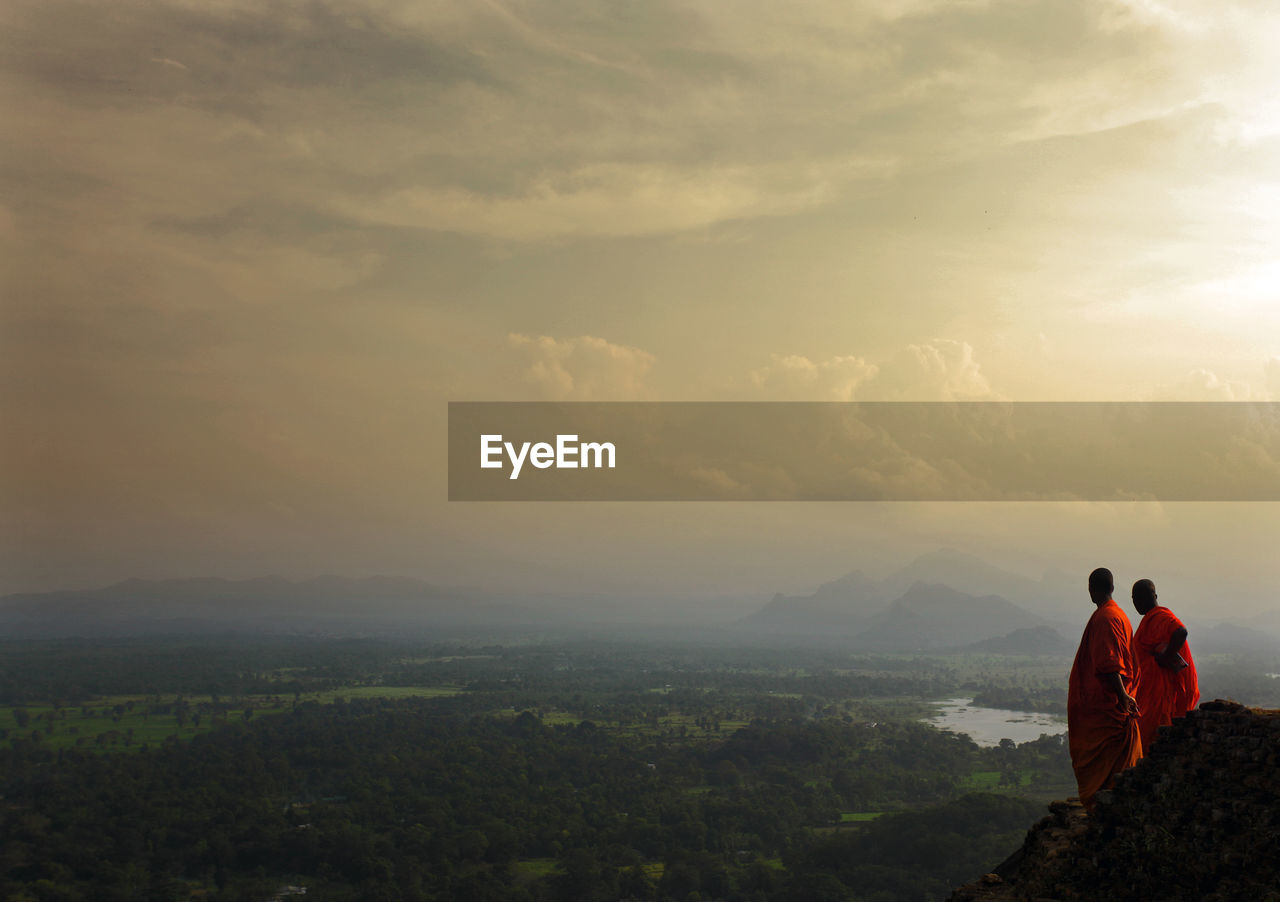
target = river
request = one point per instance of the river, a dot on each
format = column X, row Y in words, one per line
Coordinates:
column 987, row 726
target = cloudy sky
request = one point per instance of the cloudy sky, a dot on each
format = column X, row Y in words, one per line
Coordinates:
column 251, row 250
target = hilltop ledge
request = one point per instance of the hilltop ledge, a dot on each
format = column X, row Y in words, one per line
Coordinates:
column 1197, row 819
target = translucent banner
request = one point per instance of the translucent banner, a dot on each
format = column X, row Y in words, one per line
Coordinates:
column 863, row 451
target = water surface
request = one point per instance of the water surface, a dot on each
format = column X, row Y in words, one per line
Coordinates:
column 987, row 726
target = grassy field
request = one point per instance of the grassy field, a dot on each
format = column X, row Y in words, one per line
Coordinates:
column 654, row 870
column 123, row 721
column 126, row 721
column 536, row 867
column 383, row 692
column 665, row 725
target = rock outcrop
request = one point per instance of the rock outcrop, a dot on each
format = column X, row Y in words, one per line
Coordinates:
column 1197, row 819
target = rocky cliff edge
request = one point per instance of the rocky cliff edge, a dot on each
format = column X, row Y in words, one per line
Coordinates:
column 1197, row 819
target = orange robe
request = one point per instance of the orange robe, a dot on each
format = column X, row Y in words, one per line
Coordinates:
column 1163, row 693
column 1103, row 740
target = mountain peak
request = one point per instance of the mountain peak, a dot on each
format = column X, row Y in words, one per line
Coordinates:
column 949, row 556
column 934, row 616
column 923, row 589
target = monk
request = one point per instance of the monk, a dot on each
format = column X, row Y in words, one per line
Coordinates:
column 1102, row 713
column 1167, row 682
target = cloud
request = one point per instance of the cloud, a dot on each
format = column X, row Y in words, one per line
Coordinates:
column 583, row 368
column 545, row 121
column 610, row 199
column 1272, row 370
column 232, row 219
column 719, row 481
column 796, row 378
column 241, row 59
column 1202, row 384
column 938, row 370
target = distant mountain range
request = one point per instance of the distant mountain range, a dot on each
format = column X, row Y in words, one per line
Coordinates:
column 841, row 608
column 950, row 601
column 1055, row 596
column 927, row 617
column 943, row 601
column 931, row 616
column 1034, row 640
column 330, row 604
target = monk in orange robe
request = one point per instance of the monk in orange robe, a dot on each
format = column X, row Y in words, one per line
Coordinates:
column 1102, row 713
column 1167, row 682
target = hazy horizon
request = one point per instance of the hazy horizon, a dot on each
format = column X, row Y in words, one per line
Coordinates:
column 1052, row 596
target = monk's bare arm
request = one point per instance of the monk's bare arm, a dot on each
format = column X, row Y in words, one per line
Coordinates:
column 1169, row 657
column 1124, row 701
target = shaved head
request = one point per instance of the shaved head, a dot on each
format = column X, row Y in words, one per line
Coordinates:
column 1144, row 595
